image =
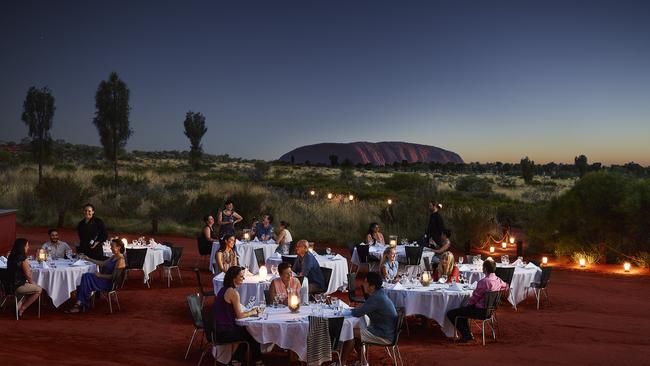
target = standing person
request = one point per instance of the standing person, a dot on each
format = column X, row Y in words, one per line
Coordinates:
column 92, row 234
column 55, row 248
column 20, row 275
column 436, row 225
column 227, row 219
column 284, row 238
column 264, row 229
column 374, row 236
column 307, row 265
column 476, row 302
column 225, row 256
column 207, row 236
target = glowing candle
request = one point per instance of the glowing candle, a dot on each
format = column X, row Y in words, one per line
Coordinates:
column 247, row 236
column 312, row 193
column 393, row 243
column 390, row 201
column 329, row 196
column 425, row 279
column 544, row 261
column 263, row 273
column 351, row 197
column 512, row 240
column 626, row 266
column 504, row 245
column 582, row 262
column 293, row 303
column 42, row 255
column 492, row 249
column 124, row 241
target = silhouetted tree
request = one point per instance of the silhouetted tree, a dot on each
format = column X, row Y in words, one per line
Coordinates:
column 581, row 165
column 527, row 169
column 112, row 117
column 38, row 114
column 194, row 130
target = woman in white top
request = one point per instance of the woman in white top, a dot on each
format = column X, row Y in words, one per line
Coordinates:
column 284, row 238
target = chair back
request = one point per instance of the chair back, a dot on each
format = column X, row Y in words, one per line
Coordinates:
column 413, row 255
column 194, row 304
column 167, row 244
column 267, row 297
column 290, row 260
column 335, row 325
column 135, row 258
column 363, row 251
column 470, row 258
column 352, row 285
column 505, row 274
column 546, row 276
column 292, row 248
column 327, row 276
column 401, row 317
column 118, row 278
column 491, row 299
column 259, row 256
column 6, row 281
column 177, row 253
column 427, row 264
column 198, row 281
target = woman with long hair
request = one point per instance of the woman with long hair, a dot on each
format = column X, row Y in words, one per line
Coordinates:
column 374, row 236
column 389, row 265
column 20, row 275
column 225, row 256
column 284, row 238
column 227, row 219
column 447, row 267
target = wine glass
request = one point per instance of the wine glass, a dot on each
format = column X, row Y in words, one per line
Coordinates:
column 461, row 259
column 444, row 278
column 251, row 302
column 274, row 270
column 328, row 250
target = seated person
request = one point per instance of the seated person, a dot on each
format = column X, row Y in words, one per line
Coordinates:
column 383, row 319
column 389, row 265
column 20, row 274
column 444, row 245
column 56, row 249
column 225, row 256
column 284, row 238
column 374, row 236
column 264, row 230
column 447, row 267
column 227, row 308
column 307, row 265
column 476, row 303
column 280, row 286
column 100, row 281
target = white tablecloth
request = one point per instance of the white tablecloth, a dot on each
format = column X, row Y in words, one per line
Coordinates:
column 246, row 253
column 521, row 279
column 433, row 302
column 253, row 286
column 289, row 330
column 167, row 251
column 339, row 266
column 59, row 282
column 377, row 251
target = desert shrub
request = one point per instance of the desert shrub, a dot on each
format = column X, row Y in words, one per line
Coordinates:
column 473, row 184
column 407, row 182
column 28, row 206
column 642, row 259
column 471, row 224
column 65, row 167
column 591, row 256
column 61, row 194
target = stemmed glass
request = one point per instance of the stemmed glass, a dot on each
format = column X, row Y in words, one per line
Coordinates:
column 328, row 251
column 274, row 270
column 251, row 302
column 461, row 259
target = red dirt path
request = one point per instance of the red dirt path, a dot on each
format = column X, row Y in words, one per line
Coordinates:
column 594, row 319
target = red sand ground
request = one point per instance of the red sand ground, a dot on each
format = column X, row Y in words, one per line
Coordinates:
column 595, row 319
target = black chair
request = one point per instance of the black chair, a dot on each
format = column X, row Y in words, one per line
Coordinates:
column 506, row 274
column 394, row 345
column 470, row 258
column 290, row 260
column 9, row 290
column 413, row 256
column 539, row 287
column 204, row 248
column 365, row 259
column 488, row 314
column 204, row 293
column 259, row 256
column 292, row 248
column 117, row 280
column 134, row 262
column 334, row 327
column 194, row 303
column 167, row 244
column 173, row 263
column 427, row 264
column 210, row 335
column 352, row 287
column 327, row 276
column 267, row 297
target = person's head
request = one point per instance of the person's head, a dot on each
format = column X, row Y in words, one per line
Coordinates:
column 389, row 255
column 446, row 265
column 227, row 242
column 89, row 211
column 372, row 282
column 446, row 234
column 434, row 206
column 267, row 219
column 228, row 205
column 284, row 225
column 234, row 277
column 284, row 269
column 20, row 248
column 117, row 246
column 373, row 228
column 54, row 235
column 489, row 266
column 301, row 247
column 208, row 219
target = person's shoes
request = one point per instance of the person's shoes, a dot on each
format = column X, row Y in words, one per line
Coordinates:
column 464, row 339
column 74, row 310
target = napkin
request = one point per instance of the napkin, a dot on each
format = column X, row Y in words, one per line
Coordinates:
column 256, row 239
column 454, row 287
column 276, row 255
column 44, row 265
column 465, row 268
column 398, row 286
column 238, row 242
column 79, row 262
column 531, row 265
column 518, row 263
column 270, row 241
column 337, row 257
column 3, row 259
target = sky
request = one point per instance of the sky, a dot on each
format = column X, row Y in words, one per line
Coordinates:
column 491, row 80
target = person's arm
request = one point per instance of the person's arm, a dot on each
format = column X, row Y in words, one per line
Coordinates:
column 369, row 239
column 297, row 266
column 504, row 286
column 272, row 292
column 220, row 218
column 232, row 297
column 237, row 217
column 384, row 272
column 281, row 237
column 27, row 270
column 309, row 265
column 368, row 307
column 381, row 238
column 219, row 256
column 478, row 293
column 442, row 249
column 455, row 273
column 102, row 235
column 206, row 233
column 95, row 261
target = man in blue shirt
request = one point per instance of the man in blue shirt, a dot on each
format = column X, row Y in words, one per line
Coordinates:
column 383, row 319
column 264, row 229
column 307, row 265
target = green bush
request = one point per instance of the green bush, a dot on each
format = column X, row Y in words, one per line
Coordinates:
column 473, row 184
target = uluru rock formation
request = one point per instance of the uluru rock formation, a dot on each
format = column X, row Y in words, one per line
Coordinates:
column 375, row 153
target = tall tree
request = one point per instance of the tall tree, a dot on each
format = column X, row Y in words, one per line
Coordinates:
column 38, row 114
column 581, row 164
column 112, row 117
column 194, row 130
column 527, row 170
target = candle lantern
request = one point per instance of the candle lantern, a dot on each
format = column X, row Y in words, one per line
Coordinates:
column 512, row 240
column 582, row 262
column 390, row 201
column 492, row 249
column 504, row 245
column 293, row 301
column 544, row 261
column 351, row 197
column 124, row 241
column 312, row 193
column 392, row 241
column 247, row 236
column 41, row 256
column 263, row 273
column 425, row 279
column 329, row 196
column 627, row 266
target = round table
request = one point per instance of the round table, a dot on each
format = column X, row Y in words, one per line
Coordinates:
column 246, row 253
column 521, row 279
column 377, row 251
column 61, row 278
column 433, row 301
column 338, row 264
column 253, row 285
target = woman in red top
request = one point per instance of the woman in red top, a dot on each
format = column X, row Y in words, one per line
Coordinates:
column 447, row 267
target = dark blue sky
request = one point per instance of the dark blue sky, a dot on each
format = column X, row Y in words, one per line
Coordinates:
column 490, row 80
